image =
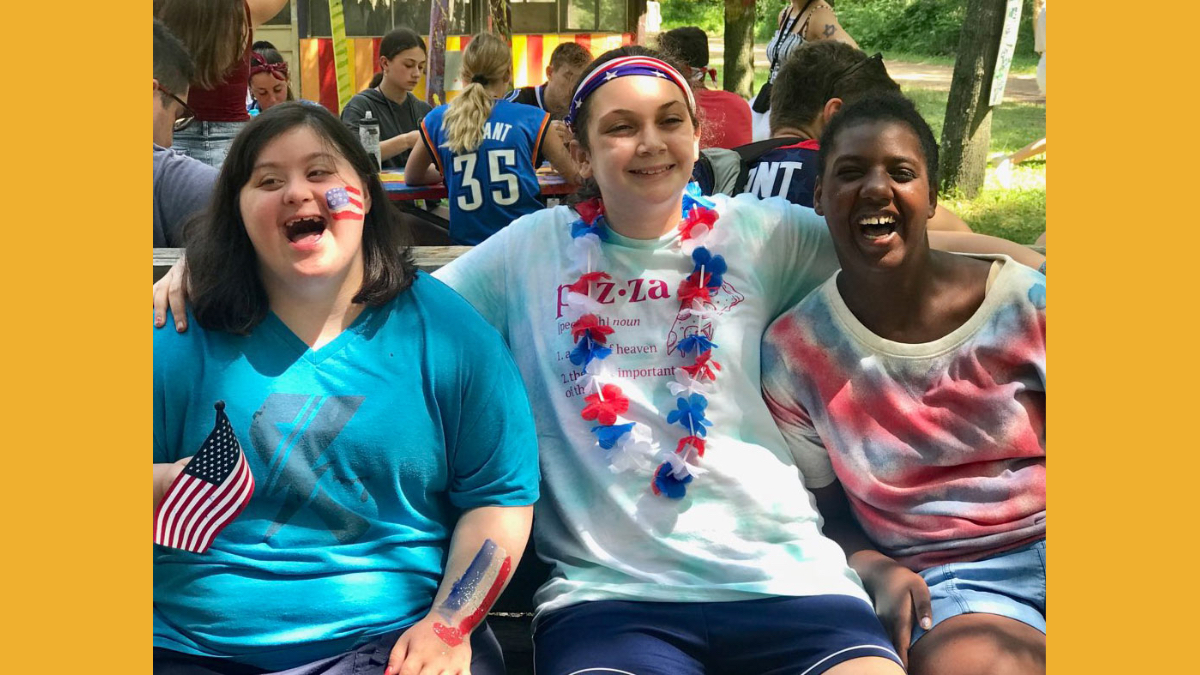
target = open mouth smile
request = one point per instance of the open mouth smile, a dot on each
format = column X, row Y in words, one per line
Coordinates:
column 877, row 227
column 305, row 231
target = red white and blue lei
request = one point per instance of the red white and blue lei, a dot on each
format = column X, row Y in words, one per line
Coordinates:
column 629, row 444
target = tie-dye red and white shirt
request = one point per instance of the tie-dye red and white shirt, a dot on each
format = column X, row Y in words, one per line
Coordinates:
column 941, row 447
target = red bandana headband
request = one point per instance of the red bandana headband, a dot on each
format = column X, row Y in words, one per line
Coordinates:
column 623, row 67
column 278, row 70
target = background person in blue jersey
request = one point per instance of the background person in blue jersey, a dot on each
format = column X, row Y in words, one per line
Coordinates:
column 811, row 86
column 384, row 422
column 487, row 148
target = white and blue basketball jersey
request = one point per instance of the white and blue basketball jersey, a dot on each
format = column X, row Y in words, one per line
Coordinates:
column 497, row 182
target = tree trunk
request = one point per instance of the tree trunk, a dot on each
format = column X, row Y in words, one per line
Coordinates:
column 500, row 19
column 967, row 132
column 739, row 47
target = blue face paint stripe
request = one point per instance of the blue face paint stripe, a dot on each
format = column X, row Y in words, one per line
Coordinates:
column 469, row 581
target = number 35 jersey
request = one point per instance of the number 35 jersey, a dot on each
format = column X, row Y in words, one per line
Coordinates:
column 496, row 183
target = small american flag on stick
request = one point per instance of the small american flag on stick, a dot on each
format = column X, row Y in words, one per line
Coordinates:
column 210, row 492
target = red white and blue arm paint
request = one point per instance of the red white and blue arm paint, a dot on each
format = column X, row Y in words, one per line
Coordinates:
column 473, row 594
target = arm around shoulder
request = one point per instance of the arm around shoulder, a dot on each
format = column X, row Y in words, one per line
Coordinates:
column 967, row 242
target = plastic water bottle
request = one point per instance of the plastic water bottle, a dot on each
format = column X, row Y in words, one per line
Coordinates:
column 368, row 135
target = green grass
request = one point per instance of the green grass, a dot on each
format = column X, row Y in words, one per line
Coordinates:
column 1022, row 64
column 1016, row 212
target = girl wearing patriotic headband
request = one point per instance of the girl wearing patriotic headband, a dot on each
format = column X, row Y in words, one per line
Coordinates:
column 682, row 538
column 386, row 428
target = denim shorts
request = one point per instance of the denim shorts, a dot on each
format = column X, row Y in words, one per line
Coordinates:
column 772, row 636
column 1011, row 584
column 207, row 141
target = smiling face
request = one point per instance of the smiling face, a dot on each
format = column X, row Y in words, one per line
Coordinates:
column 641, row 142
column 405, row 69
column 875, row 194
column 299, row 235
column 267, row 90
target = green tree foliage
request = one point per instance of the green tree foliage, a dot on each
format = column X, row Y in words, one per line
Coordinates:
column 919, row 27
column 708, row 15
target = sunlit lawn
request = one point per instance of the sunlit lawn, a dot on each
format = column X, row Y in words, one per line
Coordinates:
column 1018, row 211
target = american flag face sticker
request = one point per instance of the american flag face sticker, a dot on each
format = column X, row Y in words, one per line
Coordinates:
column 345, row 203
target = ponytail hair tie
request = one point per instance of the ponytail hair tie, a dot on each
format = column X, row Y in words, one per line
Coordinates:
column 479, row 79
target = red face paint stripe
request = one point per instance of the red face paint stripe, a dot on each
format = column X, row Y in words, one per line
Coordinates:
column 355, row 202
column 346, row 215
column 353, row 190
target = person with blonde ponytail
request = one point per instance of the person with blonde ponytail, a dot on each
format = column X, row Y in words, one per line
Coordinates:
column 487, row 148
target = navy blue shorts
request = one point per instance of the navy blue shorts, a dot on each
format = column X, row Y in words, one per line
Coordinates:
column 368, row 659
column 773, row 636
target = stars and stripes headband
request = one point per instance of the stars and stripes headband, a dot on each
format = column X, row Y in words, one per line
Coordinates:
column 623, row 67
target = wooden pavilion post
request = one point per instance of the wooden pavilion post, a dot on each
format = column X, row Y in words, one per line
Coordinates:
column 435, row 76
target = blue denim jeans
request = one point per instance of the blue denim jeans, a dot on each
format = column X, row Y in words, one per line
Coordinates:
column 1011, row 584
column 207, row 141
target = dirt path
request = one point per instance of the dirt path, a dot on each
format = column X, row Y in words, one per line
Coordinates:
column 1020, row 88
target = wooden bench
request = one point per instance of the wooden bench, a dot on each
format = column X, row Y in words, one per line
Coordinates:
column 428, row 258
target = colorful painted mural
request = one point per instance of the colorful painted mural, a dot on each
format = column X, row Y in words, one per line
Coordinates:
column 531, row 55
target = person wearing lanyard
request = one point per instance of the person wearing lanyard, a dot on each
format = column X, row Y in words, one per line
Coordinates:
column 801, row 21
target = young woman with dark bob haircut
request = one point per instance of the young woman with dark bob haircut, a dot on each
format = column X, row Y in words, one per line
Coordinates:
column 225, row 282
column 383, row 421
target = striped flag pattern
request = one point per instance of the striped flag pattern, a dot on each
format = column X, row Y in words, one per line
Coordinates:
column 345, row 203
column 473, row 594
column 210, row 492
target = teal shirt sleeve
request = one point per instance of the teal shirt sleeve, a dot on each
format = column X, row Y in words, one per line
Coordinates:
column 494, row 456
column 490, row 437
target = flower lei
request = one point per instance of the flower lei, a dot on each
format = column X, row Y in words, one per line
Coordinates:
column 628, row 444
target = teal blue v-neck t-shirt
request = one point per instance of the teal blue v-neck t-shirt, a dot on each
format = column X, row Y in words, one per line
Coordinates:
column 364, row 452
